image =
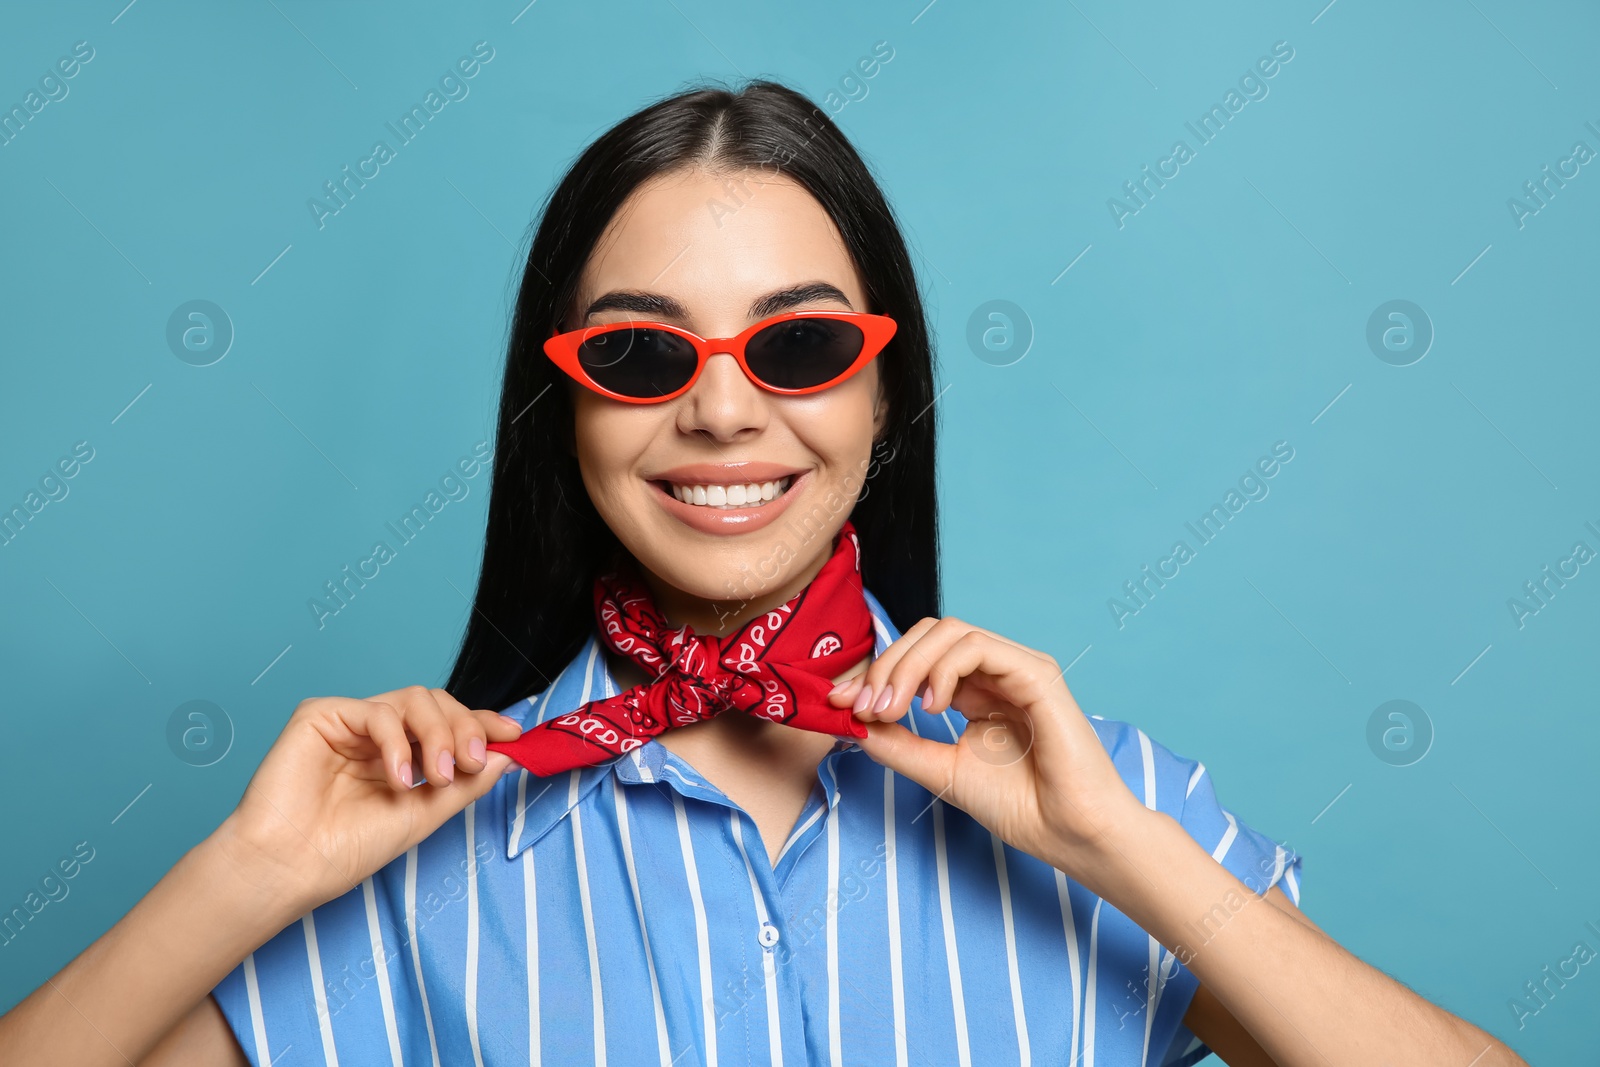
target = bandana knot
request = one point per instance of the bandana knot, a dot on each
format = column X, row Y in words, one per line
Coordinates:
column 778, row 666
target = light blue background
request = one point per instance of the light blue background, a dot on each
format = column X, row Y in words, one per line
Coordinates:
column 1223, row 317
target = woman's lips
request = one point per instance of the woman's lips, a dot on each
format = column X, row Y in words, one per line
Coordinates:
column 727, row 520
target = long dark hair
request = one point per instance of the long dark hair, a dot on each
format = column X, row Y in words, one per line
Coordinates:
column 545, row 542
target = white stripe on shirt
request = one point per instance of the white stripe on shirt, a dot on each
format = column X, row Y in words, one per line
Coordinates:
column 258, row 1023
column 1074, row 962
column 702, row 935
column 625, row 832
column 416, row 949
column 835, row 1048
column 595, row 996
column 897, row 984
column 319, row 992
column 957, row 999
column 380, row 959
column 1091, row 986
column 471, row 989
column 530, row 915
column 1019, row 1016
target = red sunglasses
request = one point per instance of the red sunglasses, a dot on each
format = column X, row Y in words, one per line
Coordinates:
column 792, row 353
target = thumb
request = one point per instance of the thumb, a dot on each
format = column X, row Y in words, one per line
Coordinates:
column 931, row 764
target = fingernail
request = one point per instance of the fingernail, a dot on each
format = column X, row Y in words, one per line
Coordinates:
column 476, row 750
column 884, row 700
column 926, row 696
column 405, row 773
column 447, row 766
column 863, row 699
column 840, row 687
column 509, row 719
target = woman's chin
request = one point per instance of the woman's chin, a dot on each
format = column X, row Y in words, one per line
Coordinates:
column 731, row 574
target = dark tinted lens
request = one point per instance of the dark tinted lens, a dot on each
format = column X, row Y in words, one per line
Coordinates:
column 800, row 353
column 638, row 361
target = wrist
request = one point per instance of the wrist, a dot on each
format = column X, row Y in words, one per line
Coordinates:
column 1123, row 857
column 264, row 887
column 1101, row 851
column 1151, row 869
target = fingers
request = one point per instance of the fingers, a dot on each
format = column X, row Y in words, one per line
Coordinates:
column 468, row 732
column 848, row 693
column 865, row 694
column 925, row 669
column 427, row 721
column 910, row 667
column 387, row 730
column 499, row 727
column 1013, row 685
column 426, row 734
column 437, row 805
column 932, row 660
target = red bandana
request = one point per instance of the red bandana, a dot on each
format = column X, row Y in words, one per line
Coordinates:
column 779, row 665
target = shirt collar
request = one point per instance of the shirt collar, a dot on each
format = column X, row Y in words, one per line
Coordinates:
column 535, row 805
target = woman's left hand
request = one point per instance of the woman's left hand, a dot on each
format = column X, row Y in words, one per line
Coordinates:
column 1028, row 765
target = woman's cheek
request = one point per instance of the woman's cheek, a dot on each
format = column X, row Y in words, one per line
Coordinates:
column 606, row 449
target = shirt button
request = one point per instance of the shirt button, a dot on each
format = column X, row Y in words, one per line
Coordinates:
column 768, row 935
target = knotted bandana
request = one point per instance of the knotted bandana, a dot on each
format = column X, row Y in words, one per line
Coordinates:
column 779, row 665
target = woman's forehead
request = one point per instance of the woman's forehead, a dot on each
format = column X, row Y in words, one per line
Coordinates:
column 715, row 244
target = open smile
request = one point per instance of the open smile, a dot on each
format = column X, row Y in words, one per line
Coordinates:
column 738, row 495
column 727, row 498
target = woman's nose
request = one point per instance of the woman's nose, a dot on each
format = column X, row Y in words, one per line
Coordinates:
column 723, row 403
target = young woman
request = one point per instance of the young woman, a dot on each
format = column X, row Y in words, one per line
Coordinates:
column 713, row 499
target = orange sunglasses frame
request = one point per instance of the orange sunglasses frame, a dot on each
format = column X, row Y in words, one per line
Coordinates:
column 876, row 331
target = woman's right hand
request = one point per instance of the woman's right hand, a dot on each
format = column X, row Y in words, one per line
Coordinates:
column 333, row 800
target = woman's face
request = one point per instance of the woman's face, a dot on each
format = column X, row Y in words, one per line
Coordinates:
column 714, row 254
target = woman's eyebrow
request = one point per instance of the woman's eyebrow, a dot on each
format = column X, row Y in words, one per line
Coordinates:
column 795, row 296
column 663, row 306
column 635, row 300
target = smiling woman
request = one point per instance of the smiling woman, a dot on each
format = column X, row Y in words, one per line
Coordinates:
column 727, row 431
column 813, row 822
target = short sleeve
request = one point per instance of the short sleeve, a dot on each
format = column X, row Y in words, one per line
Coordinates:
column 1181, row 787
column 1249, row 855
column 277, row 1001
column 377, row 974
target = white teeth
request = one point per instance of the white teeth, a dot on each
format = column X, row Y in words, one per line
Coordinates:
column 731, row 496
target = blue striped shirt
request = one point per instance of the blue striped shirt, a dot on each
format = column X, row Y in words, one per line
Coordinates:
column 628, row 914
